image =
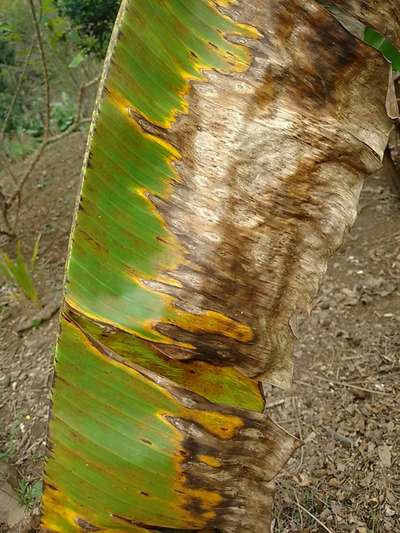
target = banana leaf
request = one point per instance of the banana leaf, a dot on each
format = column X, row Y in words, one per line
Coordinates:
column 226, row 155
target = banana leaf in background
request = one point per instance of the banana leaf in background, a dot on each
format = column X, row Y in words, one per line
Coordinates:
column 378, row 41
column 224, row 164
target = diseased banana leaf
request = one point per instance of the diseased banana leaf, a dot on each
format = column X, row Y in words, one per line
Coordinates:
column 224, row 164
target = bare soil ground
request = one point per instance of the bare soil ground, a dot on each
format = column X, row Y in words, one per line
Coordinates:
column 346, row 395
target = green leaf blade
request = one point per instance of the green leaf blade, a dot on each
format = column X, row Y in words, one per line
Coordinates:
column 388, row 50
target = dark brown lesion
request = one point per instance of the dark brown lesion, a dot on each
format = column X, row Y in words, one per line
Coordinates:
column 151, row 527
column 86, row 526
column 322, row 52
column 325, row 57
column 233, row 436
column 248, row 463
column 147, row 126
column 265, row 92
column 286, row 22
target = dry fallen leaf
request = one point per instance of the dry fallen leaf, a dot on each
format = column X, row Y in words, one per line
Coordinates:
column 385, row 455
column 303, row 480
column 389, row 511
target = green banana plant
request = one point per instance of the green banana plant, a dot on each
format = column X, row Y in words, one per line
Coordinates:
column 226, row 155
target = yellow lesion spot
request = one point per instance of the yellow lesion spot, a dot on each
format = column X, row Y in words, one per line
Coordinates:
column 56, row 512
column 209, row 460
column 219, row 424
column 208, row 501
column 244, row 29
column 169, row 280
column 213, row 323
column 250, row 31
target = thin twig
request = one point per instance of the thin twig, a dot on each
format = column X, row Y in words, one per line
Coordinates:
column 338, row 436
column 350, row 386
column 300, row 430
column 300, row 511
column 3, row 203
column 16, row 195
column 277, row 403
column 82, row 90
column 78, row 122
column 313, row 517
column 307, row 384
column 74, row 127
column 6, row 233
column 34, row 161
column 9, row 113
column 45, row 71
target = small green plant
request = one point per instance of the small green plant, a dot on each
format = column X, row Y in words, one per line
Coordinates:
column 63, row 112
column 9, row 448
column 19, row 272
column 19, row 144
column 30, row 493
column 36, row 323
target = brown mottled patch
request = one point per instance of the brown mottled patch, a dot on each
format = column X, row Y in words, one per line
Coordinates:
column 265, row 92
column 51, row 486
column 285, row 23
column 326, row 59
column 86, row 526
column 245, row 467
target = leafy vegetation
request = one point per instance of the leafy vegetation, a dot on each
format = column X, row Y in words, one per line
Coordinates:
column 13, row 435
column 47, row 90
column 92, row 20
column 63, row 112
column 19, row 271
column 8, row 62
column 63, row 58
column 29, row 493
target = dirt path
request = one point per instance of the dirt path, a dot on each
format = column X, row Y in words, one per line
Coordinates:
column 346, row 396
column 345, row 400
